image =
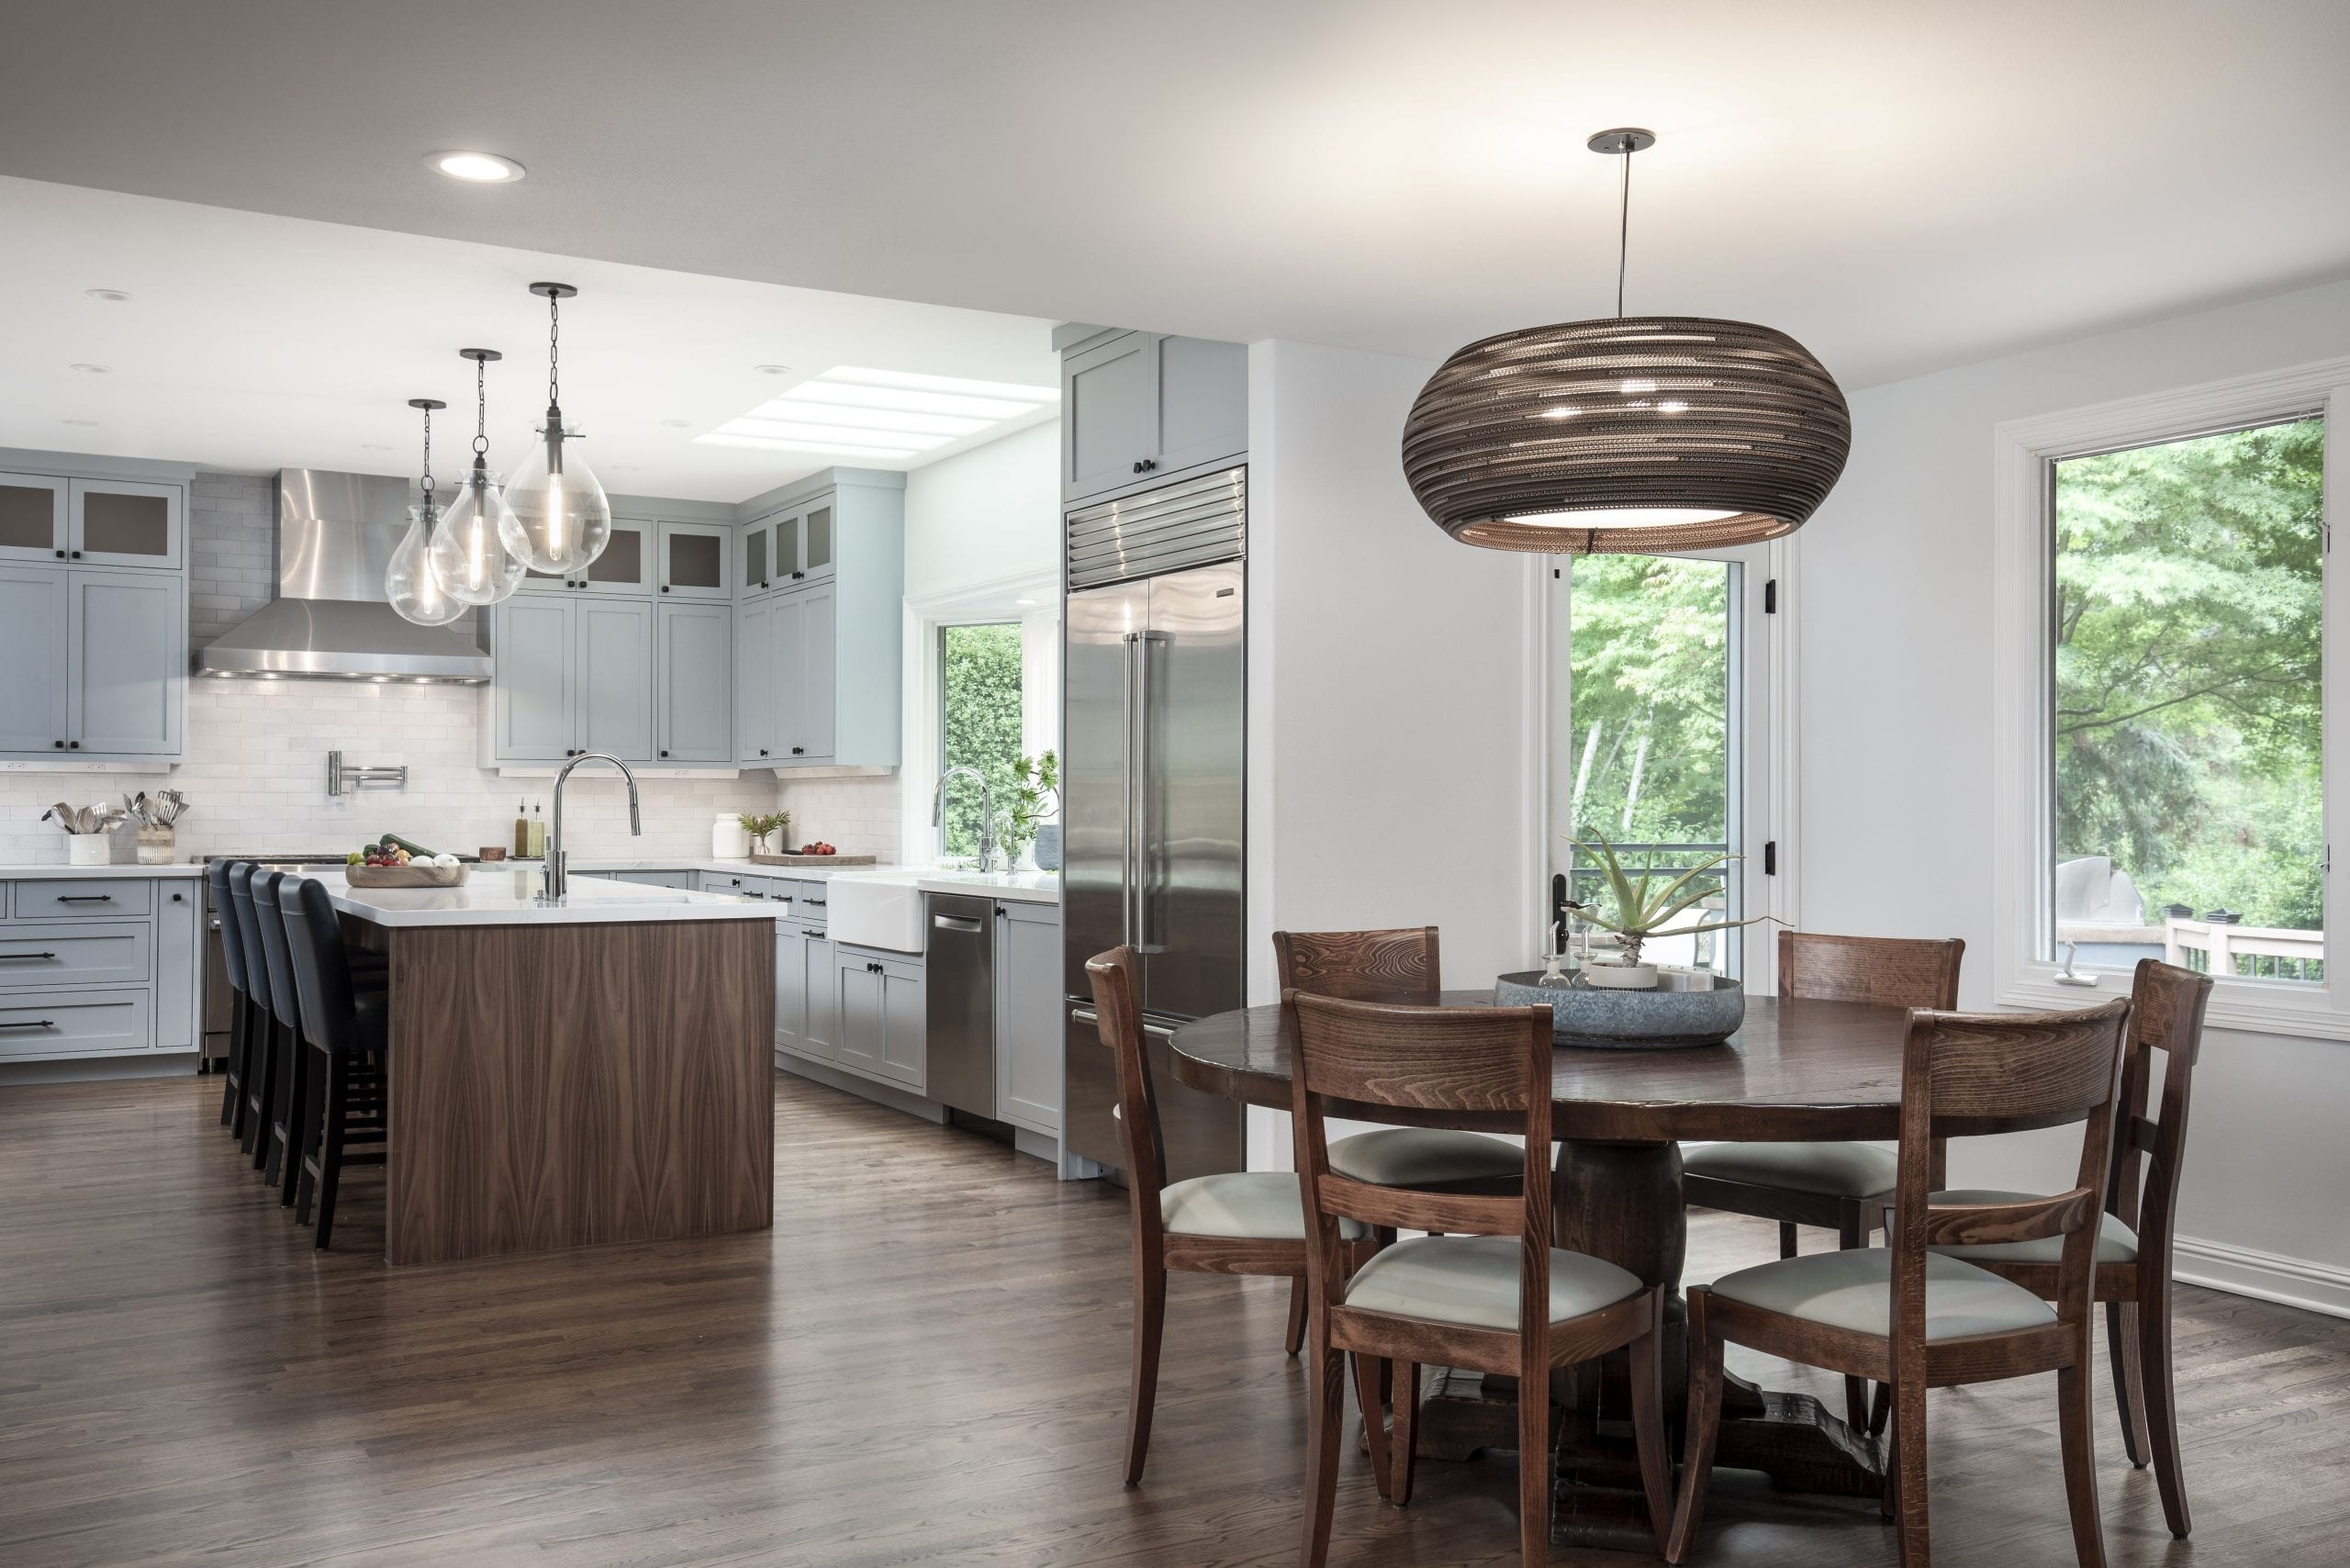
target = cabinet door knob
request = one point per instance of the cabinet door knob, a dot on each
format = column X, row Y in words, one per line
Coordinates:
column 800, row 751
column 665, row 587
column 763, row 751
column 1144, row 465
column 73, row 745
column 60, row 555
column 77, row 555
column 59, row 745
column 664, row 754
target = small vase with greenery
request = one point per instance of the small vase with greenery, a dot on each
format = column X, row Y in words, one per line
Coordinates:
column 1035, row 796
column 762, row 826
column 1638, row 914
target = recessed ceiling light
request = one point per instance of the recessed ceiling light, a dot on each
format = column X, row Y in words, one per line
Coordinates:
column 111, row 296
column 476, row 168
column 78, row 421
column 373, row 447
column 678, row 425
column 1024, row 602
column 92, row 369
column 772, row 369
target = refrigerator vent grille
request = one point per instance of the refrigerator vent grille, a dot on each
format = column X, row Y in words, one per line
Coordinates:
column 1193, row 523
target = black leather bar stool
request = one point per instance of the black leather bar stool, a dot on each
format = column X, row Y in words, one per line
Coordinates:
column 345, row 1027
column 240, row 1007
column 262, row 1052
column 279, row 1167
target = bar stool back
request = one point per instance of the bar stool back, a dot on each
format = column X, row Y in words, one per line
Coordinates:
column 280, row 1165
column 232, row 958
column 261, row 1054
column 344, row 1028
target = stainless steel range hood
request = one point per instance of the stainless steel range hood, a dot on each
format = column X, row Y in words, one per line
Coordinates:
column 329, row 621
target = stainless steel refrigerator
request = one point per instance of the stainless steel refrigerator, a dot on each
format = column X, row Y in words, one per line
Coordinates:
column 1154, row 778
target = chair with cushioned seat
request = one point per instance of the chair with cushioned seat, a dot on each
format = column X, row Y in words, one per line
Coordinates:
column 1840, row 1186
column 344, row 1029
column 1914, row 1318
column 2135, row 1230
column 1488, row 1296
column 1390, row 966
column 1233, row 1222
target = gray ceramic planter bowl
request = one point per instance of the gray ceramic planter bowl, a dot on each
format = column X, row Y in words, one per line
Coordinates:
column 1630, row 1020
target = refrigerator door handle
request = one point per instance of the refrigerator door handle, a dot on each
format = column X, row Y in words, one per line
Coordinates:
column 1126, row 776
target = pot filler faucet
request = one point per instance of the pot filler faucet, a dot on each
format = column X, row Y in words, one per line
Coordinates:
column 987, row 810
column 558, row 883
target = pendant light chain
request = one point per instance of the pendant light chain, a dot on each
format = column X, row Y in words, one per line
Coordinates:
column 481, row 413
column 427, row 466
column 554, row 335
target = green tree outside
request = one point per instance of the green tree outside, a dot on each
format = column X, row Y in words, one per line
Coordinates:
column 981, row 690
column 1650, row 653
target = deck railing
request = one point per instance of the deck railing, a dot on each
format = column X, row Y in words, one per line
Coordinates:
column 2255, row 952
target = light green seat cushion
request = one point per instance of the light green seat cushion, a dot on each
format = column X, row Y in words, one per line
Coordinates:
column 1852, row 1289
column 2116, row 1242
column 1834, row 1170
column 1424, row 1156
column 1472, row 1281
column 1257, row 1205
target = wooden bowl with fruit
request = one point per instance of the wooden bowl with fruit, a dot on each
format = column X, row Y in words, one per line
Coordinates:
column 396, row 863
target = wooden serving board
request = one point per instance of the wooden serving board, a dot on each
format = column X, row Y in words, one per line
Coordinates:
column 405, row 876
column 815, row 859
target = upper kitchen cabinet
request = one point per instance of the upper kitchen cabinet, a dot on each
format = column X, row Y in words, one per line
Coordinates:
column 625, row 568
column 818, row 641
column 35, row 659
column 693, row 560
column 96, row 522
column 693, row 684
column 32, row 517
column 569, row 676
column 1138, row 408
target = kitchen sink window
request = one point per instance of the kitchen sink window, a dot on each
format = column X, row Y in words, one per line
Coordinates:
column 981, row 714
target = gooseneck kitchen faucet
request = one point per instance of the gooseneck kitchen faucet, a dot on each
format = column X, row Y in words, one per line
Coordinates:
column 987, row 810
column 557, row 881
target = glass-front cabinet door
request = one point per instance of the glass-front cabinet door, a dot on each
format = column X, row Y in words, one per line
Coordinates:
column 32, row 517
column 759, row 556
column 815, row 543
column 693, row 560
column 119, row 522
column 625, row 568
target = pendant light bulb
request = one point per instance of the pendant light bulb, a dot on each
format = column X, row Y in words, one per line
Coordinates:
column 560, row 519
column 469, row 551
column 414, row 591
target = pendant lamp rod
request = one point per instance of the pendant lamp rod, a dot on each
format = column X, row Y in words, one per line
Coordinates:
column 428, row 405
column 1622, row 143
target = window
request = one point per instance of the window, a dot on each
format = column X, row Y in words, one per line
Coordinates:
column 979, row 723
column 2168, row 648
column 2188, row 731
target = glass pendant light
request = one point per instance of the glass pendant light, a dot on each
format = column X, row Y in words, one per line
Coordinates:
column 408, row 580
column 559, row 518
column 1644, row 434
column 469, row 553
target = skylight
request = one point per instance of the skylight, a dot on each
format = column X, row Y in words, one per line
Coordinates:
column 880, row 414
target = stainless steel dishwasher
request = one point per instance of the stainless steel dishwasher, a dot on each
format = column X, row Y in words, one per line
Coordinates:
column 958, row 1009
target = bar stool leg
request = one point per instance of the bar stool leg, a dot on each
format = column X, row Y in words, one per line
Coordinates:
column 310, row 1137
column 338, row 1109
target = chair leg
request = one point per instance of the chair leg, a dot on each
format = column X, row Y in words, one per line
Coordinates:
column 1403, row 1434
column 1295, row 1342
column 1324, row 1427
column 2129, row 1385
column 338, row 1112
column 259, row 1086
column 1648, row 1422
column 1374, row 1419
column 1907, row 1472
column 309, row 1064
column 1700, row 1428
column 310, row 1145
column 1853, row 1231
column 2077, row 1434
column 1150, row 1323
column 235, row 1073
column 1786, row 1239
column 1534, row 1464
column 2162, row 1406
column 1880, row 1408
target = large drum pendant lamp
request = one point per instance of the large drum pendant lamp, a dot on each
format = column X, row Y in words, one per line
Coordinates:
column 1631, row 434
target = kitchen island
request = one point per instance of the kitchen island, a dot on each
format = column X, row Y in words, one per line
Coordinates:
column 564, row 1075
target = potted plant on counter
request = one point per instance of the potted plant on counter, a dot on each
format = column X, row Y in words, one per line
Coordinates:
column 1035, row 796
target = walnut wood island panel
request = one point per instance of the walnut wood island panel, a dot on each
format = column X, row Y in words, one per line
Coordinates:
column 569, row 1075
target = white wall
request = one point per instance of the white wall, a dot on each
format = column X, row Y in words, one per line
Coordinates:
column 1897, row 783
column 1391, row 763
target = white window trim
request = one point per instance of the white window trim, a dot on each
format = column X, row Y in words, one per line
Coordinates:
column 2022, row 775
column 997, row 599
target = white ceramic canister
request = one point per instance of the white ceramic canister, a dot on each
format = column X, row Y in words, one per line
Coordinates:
column 727, row 839
column 89, row 849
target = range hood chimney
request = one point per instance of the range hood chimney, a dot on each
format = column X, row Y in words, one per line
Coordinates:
column 329, row 621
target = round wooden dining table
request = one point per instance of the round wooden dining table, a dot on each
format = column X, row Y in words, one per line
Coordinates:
column 1795, row 1071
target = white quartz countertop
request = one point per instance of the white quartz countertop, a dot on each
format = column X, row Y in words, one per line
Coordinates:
column 54, row 873
column 1024, row 887
column 494, row 895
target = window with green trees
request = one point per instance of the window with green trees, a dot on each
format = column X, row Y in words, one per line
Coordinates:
column 2186, row 623
column 979, row 710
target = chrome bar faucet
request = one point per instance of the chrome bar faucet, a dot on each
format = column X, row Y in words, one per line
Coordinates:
column 987, row 810
column 558, row 883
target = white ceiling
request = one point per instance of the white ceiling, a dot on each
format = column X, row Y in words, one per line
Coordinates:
column 1903, row 186
column 253, row 342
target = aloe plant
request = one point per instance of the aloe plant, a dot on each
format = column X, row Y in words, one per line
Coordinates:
column 1639, row 914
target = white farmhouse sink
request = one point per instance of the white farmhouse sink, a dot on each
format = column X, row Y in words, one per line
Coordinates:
column 876, row 913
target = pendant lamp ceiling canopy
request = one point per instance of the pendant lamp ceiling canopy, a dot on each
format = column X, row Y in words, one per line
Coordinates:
column 1630, row 435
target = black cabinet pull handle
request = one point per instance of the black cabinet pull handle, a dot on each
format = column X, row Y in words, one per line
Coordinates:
column 85, row 898
column 799, row 751
column 24, row 958
column 59, row 745
column 77, row 555
column 665, row 587
column 32, row 1023
column 763, row 751
column 73, row 745
column 664, row 754
column 1144, row 465
column 178, row 899
column 818, row 902
column 60, row 555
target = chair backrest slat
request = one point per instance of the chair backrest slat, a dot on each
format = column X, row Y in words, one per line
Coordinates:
column 2031, row 1219
column 1891, row 971
column 321, row 968
column 1395, row 1054
column 270, row 922
column 1118, row 1015
column 1363, row 966
column 1985, row 1068
column 2166, row 1015
column 1404, row 1208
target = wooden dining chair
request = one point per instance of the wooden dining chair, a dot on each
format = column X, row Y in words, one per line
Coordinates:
column 1913, row 1317
column 2133, row 1245
column 1388, row 966
column 1237, row 1222
column 1844, row 1187
column 1491, row 1294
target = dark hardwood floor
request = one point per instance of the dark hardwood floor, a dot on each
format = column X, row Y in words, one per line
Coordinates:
column 924, row 1362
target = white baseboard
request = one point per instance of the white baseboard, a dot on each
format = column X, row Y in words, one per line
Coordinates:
column 94, row 1070
column 2265, row 1276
